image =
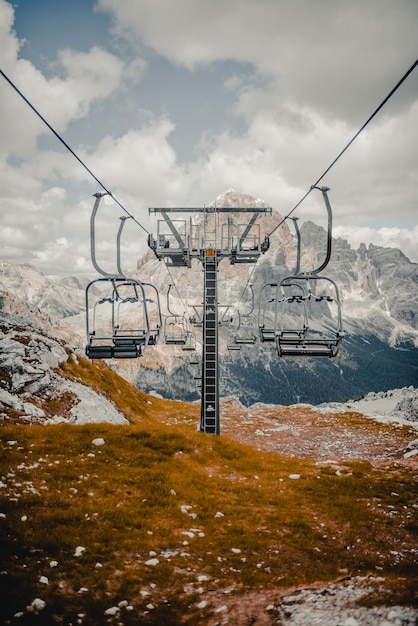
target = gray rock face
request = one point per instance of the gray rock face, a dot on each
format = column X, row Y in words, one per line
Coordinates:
column 28, row 359
column 409, row 406
column 30, row 349
column 60, row 298
column 376, row 284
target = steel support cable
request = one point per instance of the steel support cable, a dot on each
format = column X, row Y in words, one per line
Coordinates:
column 246, row 285
column 381, row 105
column 11, row 83
column 177, row 289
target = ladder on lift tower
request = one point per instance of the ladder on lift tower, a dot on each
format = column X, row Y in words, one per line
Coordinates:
column 210, row 373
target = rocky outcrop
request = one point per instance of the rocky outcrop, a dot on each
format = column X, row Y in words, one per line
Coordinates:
column 31, row 348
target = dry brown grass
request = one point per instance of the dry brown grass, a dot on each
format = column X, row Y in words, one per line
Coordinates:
column 222, row 518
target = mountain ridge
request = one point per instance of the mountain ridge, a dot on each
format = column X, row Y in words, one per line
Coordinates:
column 380, row 312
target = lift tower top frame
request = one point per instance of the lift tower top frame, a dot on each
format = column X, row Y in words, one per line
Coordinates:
column 179, row 241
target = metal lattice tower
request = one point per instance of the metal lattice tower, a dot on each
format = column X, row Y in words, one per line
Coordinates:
column 177, row 243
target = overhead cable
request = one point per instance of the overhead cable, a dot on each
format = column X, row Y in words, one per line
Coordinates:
column 381, row 105
column 177, row 289
column 35, row 110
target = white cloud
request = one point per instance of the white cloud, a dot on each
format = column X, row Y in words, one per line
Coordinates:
column 336, row 56
column 80, row 79
column 87, row 76
column 314, row 76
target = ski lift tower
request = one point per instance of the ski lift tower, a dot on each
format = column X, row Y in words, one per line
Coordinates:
column 179, row 241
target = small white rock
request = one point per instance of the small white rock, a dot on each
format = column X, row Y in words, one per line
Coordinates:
column 152, row 562
column 202, row 604
column 114, row 610
column 44, row 580
column 79, row 551
column 38, row 605
column 294, row 476
column 236, row 550
column 99, row 441
column 219, row 514
column 53, row 564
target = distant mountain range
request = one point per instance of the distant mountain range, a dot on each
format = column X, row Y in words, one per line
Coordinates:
column 378, row 289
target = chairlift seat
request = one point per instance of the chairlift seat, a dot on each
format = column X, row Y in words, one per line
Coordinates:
column 127, row 352
column 129, row 341
column 99, row 352
column 292, row 334
column 292, row 346
column 132, row 351
column 249, row 341
column 267, row 334
column 175, row 339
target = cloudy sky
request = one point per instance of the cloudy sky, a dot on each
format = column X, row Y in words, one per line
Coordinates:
column 171, row 102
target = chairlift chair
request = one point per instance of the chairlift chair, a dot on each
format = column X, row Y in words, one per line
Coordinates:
column 196, row 318
column 308, row 340
column 175, row 331
column 154, row 313
column 267, row 313
column 175, row 326
column 233, row 346
column 246, row 334
column 190, row 343
column 300, row 297
column 115, row 337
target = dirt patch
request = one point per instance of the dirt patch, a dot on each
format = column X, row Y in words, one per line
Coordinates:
column 303, row 433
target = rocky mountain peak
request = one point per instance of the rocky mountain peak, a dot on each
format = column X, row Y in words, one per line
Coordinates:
column 232, row 198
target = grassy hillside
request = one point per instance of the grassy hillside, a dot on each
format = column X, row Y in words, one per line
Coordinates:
column 161, row 524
